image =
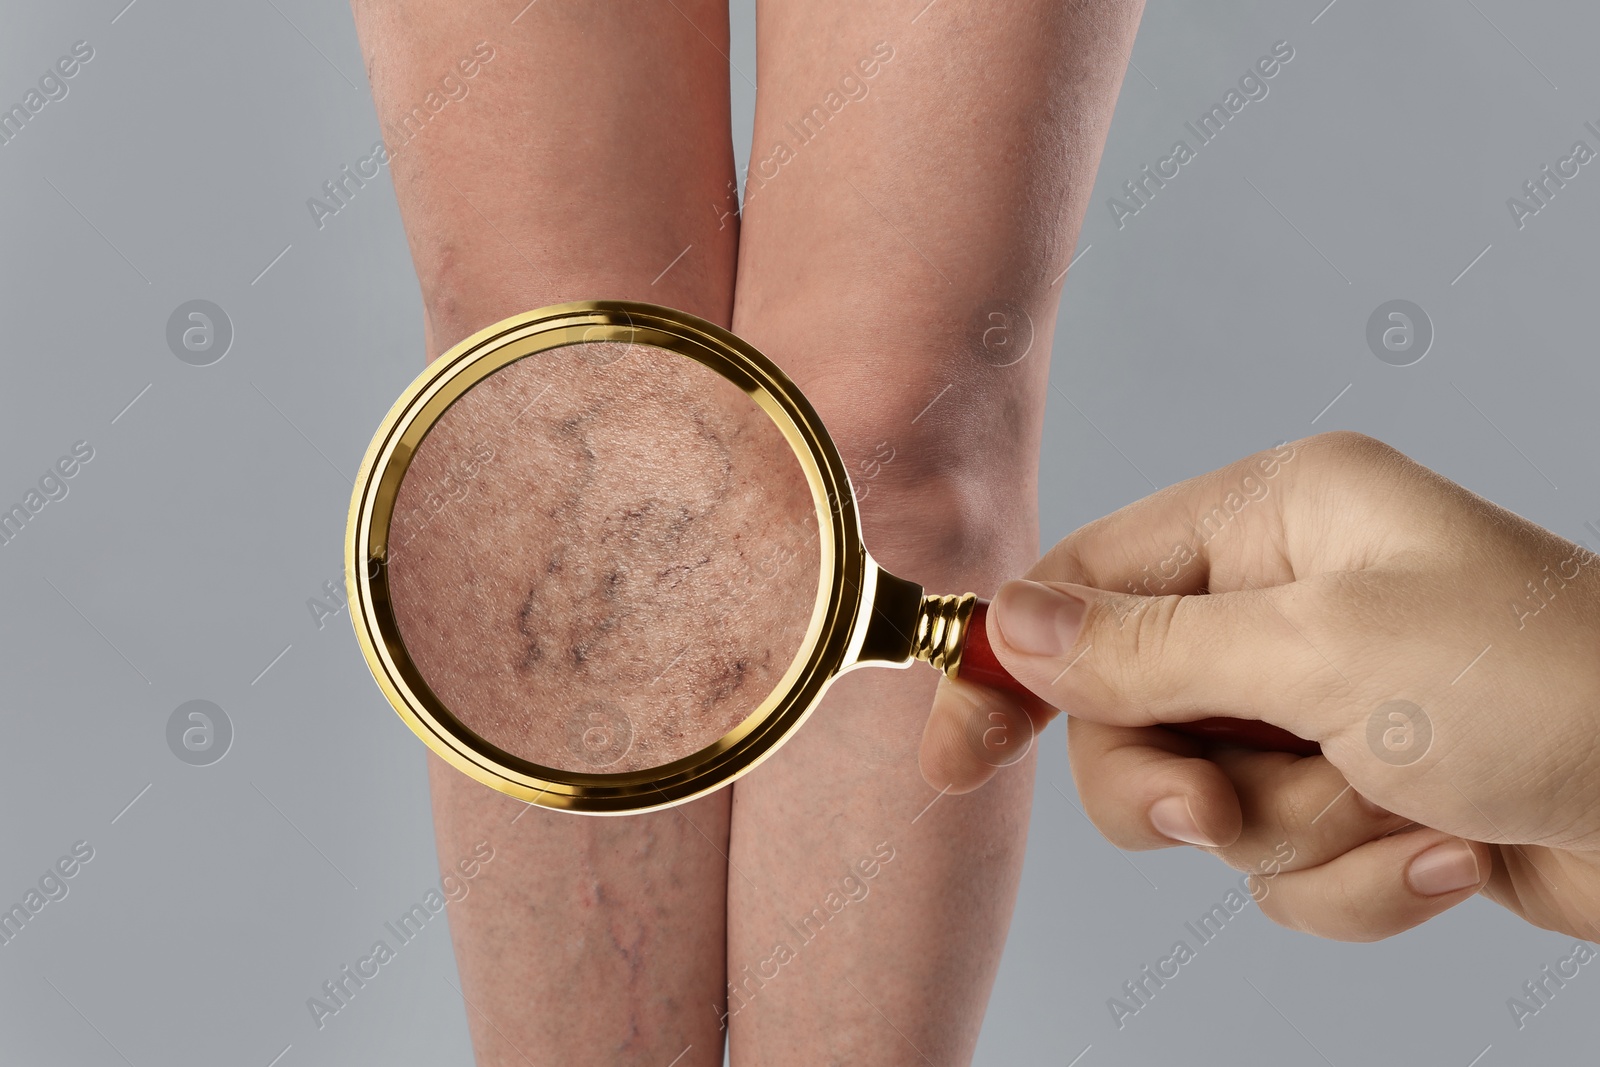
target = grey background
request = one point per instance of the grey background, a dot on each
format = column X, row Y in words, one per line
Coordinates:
column 1222, row 318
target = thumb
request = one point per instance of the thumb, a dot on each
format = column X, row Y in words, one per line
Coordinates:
column 1141, row 660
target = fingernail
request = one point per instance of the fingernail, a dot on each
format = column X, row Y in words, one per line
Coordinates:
column 1172, row 818
column 1445, row 868
column 1037, row 619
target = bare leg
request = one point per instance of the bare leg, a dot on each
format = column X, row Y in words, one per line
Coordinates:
column 903, row 245
column 578, row 161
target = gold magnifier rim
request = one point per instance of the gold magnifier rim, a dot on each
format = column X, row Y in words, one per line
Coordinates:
column 824, row 651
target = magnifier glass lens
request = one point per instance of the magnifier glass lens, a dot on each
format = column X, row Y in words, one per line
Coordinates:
column 603, row 557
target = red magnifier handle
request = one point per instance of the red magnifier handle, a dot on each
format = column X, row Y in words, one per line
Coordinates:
column 979, row 665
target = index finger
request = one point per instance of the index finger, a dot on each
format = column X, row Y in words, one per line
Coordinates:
column 1205, row 534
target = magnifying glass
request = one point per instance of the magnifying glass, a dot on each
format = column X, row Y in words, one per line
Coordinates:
column 604, row 557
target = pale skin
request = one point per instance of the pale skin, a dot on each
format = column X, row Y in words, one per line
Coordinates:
column 1352, row 590
column 591, row 159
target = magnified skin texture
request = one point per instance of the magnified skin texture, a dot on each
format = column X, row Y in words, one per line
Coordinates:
column 592, row 159
column 604, row 557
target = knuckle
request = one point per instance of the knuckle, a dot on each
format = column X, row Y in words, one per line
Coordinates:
column 1064, row 562
column 1345, row 446
column 1353, row 464
column 1144, row 634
